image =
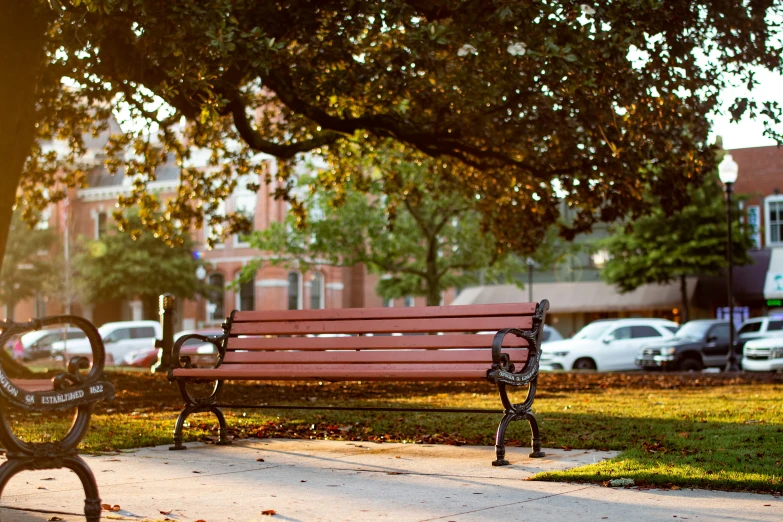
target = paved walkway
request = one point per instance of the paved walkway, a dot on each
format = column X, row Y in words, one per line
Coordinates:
column 326, row 480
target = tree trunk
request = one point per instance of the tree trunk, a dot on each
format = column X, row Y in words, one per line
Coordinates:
column 686, row 311
column 22, row 38
column 433, row 293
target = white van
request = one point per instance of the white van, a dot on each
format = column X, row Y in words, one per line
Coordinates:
column 119, row 339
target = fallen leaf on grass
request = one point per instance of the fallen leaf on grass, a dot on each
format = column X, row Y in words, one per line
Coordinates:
column 684, row 434
column 269, row 512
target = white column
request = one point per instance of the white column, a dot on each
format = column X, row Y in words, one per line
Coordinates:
column 136, row 307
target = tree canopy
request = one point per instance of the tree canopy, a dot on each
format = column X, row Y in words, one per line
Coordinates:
column 660, row 249
column 523, row 103
column 399, row 219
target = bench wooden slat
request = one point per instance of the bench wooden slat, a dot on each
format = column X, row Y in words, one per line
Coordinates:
column 381, row 326
column 33, row 385
column 364, row 342
column 374, row 357
column 509, row 309
column 333, row 372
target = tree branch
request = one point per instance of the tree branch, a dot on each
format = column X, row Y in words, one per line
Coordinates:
column 256, row 142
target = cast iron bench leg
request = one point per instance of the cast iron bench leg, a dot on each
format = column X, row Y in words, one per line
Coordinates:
column 196, row 408
column 92, row 502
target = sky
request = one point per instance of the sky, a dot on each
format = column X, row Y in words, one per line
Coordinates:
column 747, row 132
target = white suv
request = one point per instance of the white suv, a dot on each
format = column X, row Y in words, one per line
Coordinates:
column 763, row 355
column 605, row 345
column 119, row 339
column 758, row 327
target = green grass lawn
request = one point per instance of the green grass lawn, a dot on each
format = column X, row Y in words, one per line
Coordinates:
column 673, row 430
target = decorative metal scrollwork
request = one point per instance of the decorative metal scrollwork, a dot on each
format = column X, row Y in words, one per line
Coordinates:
column 70, row 389
column 503, row 373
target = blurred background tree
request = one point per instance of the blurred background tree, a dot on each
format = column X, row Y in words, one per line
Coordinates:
column 134, row 264
column 28, row 267
column 397, row 216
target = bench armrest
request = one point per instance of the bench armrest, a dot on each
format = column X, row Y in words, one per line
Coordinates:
column 178, row 361
column 502, row 369
column 70, row 388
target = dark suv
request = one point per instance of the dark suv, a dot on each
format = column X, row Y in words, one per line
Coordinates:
column 696, row 345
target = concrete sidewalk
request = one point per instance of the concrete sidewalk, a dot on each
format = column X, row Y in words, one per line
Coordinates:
column 327, row 480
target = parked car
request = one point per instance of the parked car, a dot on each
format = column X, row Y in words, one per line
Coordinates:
column 200, row 353
column 119, row 339
column 550, row 334
column 756, row 328
column 38, row 344
column 763, row 355
column 605, row 345
column 696, row 345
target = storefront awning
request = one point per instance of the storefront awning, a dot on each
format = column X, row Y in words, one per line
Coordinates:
column 773, row 284
column 593, row 296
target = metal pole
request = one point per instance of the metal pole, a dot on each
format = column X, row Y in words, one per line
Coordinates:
column 531, row 265
column 67, row 268
column 731, row 366
column 167, row 303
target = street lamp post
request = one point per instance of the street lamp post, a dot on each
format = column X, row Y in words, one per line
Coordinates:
column 728, row 171
column 201, row 273
column 531, row 265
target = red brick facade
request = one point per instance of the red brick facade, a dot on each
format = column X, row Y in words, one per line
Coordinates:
column 761, row 179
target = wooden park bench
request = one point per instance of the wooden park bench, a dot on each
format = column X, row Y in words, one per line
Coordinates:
column 66, row 390
column 305, row 345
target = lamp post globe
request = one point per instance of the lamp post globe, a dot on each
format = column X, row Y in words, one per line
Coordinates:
column 728, row 171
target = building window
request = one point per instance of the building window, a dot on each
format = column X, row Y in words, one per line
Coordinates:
column 216, row 310
column 101, row 222
column 246, row 298
column 388, row 303
column 409, row 301
column 775, row 221
column 317, row 291
column 294, row 291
